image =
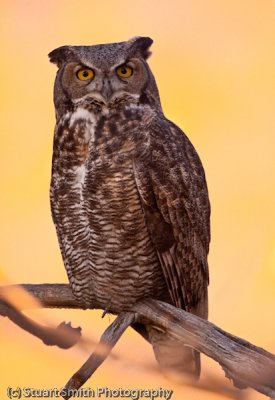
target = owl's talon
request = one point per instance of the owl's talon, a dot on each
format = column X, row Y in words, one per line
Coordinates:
column 106, row 310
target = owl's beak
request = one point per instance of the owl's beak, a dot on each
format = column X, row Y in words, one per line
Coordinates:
column 106, row 90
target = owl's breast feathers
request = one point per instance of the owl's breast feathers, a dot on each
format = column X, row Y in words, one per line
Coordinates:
column 130, row 204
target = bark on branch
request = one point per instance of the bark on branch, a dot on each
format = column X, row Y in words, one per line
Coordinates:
column 103, row 349
column 246, row 364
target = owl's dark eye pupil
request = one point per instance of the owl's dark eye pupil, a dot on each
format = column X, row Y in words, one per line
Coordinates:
column 123, row 70
column 85, row 74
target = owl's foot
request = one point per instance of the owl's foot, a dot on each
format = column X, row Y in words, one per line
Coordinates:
column 106, row 310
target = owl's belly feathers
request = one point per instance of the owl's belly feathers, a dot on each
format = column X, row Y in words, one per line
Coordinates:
column 104, row 241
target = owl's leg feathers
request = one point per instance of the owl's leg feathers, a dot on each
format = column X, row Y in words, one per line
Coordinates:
column 174, row 358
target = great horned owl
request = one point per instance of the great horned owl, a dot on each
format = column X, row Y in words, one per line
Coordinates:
column 128, row 193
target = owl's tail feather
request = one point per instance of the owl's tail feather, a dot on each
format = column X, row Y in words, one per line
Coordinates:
column 175, row 359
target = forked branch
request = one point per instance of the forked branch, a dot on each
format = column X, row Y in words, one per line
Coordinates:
column 246, row 364
column 103, row 349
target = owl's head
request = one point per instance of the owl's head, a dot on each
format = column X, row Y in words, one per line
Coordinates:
column 105, row 75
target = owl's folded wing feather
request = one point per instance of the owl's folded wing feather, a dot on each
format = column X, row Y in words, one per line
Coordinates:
column 173, row 191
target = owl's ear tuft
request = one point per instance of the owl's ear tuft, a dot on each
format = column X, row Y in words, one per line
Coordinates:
column 140, row 45
column 60, row 55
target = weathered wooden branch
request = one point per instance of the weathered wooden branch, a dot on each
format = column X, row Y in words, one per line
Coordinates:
column 64, row 336
column 103, row 349
column 246, row 364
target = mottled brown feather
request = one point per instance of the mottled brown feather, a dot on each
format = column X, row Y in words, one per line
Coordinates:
column 175, row 201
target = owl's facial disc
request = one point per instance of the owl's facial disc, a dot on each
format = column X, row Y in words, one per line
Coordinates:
column 110, row 86
column 109, row 76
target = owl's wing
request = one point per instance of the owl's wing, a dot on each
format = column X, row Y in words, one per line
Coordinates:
column 174, row 196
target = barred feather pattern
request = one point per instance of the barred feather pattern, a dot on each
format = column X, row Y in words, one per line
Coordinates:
column 96, row 207
column 130, row 204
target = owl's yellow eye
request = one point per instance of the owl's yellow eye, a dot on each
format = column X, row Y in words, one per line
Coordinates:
column 85, row 74
column 124, row 71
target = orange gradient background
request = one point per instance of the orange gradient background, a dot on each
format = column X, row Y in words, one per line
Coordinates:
column 214, row 62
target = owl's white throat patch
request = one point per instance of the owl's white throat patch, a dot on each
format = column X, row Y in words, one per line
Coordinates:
column 82, row 114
